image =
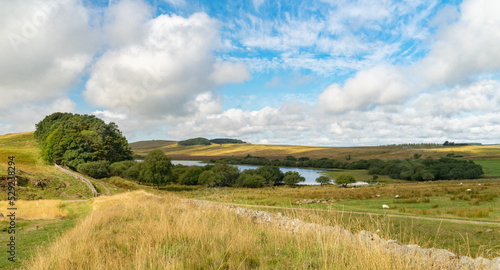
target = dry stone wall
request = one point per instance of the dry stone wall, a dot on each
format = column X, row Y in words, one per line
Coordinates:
column 85, row 180
column 439, row 258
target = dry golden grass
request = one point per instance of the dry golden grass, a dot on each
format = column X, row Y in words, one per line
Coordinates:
column 141, row 231
column 206, row 152
column 39, row 209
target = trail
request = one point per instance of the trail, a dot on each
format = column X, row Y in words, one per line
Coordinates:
column 367, row 213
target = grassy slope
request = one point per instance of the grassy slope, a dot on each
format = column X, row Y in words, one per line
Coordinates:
column 139, row 231
column 30, row 165
column 280, row 151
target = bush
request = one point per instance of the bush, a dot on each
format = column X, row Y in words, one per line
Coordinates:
column 293, row 178
column 271, row 174
column 191, row 175
column 95, row 169
column 119, row 168
column 344, row 179
column 323, row 180
column 251, row 179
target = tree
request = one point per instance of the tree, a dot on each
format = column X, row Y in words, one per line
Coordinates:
column 344, row 179
column 323, row 180
column 156, row 168
column 293, row 178
column 191, row 176
column 96, row 169
column 73, row 139
column 251, row 179
column 272, row 174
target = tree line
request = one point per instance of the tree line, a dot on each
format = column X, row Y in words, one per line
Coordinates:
column 415, row 169
column 157, row 169
column 205, row 141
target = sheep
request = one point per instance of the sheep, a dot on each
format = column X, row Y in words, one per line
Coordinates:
column 385, row 206
column 396, row 197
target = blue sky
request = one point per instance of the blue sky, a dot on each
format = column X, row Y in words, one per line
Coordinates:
column 335, row 73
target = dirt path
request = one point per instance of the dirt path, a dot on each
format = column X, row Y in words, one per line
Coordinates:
column 368, row 213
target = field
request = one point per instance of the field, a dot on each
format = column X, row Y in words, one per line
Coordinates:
column 203, row 152
column 137, row 230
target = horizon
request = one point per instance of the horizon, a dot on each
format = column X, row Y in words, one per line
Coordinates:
column 317, row 73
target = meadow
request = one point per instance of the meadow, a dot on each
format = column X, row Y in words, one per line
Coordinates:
column 141, row 231
column 207, row 152
column 137, row 230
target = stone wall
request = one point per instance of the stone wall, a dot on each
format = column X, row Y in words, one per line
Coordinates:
column 85, row 180
column 439, row 258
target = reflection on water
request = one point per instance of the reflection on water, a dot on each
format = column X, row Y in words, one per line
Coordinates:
column 309, row 174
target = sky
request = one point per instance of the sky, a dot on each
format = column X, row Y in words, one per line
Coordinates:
column 319, row 72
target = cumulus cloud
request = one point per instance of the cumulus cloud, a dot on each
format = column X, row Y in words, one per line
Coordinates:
column 45, row 47
column 376, row 86
column 466, row 48
column 171, row 71
column 26, row 115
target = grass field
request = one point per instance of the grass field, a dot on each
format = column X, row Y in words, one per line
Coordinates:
column 204, row 152
column 139, row 231
column 490, row 167
column 128, row 226
column 445, row 199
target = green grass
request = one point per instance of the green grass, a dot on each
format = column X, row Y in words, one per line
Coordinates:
column 440, row 199
column 490, row 167
column 32, row 235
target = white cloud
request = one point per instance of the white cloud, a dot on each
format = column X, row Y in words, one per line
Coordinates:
column 26, row 115
column 126, row 22
column 465, row 48
column 45, row 48
column 166, row 73
column 376, row 86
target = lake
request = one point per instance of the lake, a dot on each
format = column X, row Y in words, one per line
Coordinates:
column 309, row 174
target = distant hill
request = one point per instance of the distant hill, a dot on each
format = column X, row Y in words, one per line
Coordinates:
column 150, row 144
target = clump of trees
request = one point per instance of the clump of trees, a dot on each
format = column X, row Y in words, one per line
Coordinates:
column 195, row 141
column 226, row 141
column 415, row 169
column 74, row 139
column 205, row 141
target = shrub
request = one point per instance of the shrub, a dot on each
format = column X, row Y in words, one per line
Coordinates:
column 323, row 180
column 251, row 179
column 344, row 179
column 191, row 176
column 119, row 168
column 95, row 169
column 293, row 178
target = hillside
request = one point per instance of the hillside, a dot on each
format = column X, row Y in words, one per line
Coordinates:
column 30, row 169
column 206, row 152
